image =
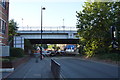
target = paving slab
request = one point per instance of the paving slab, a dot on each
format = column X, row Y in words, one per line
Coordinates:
column 31, row 69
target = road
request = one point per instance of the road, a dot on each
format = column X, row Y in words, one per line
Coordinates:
column 78, row 68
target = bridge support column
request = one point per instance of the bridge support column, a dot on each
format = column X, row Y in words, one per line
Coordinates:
column 70, row 35
column 19, row 42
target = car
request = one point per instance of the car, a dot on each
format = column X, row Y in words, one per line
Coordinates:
column 46, row 53
column 52, row 53
column 70, row 48
column 60, row 52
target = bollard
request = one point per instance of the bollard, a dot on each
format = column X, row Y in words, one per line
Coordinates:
column 36, row 56
column 36, row 60
column 55, row 68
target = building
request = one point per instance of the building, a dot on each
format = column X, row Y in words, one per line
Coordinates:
column 4, row 16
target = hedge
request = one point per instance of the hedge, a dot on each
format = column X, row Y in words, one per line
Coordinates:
column 16, row 52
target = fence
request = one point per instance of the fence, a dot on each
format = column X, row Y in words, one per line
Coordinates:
column 55, row 68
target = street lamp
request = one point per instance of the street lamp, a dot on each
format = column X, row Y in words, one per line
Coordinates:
column 42, row 8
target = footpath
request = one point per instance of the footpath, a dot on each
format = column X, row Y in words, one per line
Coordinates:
column 32, row 70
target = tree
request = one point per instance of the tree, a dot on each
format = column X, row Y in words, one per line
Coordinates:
column 12, row 27
column 12, row 30
column 116, row 14
column 28, row 46
column 45, row 46
column 94, row 23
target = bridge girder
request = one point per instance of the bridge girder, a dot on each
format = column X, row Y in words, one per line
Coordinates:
column 54, row 41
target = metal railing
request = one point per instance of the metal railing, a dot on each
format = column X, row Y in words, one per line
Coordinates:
column 47, row 28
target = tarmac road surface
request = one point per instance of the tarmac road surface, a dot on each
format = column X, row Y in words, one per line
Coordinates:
column 77, row 68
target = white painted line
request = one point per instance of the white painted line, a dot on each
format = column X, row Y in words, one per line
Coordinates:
column 7, row 70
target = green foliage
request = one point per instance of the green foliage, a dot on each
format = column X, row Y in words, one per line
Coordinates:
column 27, row 44
column 12, row 27
column 4, row 59
column 12, row 58
column 45, row 46
column 16, row 52
column 52, row 46
column 7, row 59
column 94, row 23
column 111, row 56
column 12, row 30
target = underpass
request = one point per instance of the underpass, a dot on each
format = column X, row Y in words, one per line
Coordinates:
column 54, row 41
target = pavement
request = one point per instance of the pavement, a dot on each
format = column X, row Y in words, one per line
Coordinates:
column 32, row 70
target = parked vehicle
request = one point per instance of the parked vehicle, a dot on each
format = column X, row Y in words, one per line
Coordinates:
column 52, row 53
column 46, row 53
column 60, row 52
column 70, row 48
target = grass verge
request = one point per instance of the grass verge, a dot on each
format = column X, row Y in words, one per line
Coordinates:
column 109, row 56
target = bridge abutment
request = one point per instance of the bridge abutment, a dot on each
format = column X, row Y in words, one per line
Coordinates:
column 19, row 42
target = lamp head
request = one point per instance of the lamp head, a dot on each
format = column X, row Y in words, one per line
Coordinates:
column 43, row 8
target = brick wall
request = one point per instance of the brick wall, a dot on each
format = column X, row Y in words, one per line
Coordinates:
column 4, row 15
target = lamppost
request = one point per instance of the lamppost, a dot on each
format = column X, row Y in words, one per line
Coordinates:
column 42, row 8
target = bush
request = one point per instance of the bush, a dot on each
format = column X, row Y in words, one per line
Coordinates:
column 111, row 56
column 16, row 52
column 4, row 60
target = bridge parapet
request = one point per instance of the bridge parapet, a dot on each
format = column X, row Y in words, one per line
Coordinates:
column 45, row 31
column 60, row 28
